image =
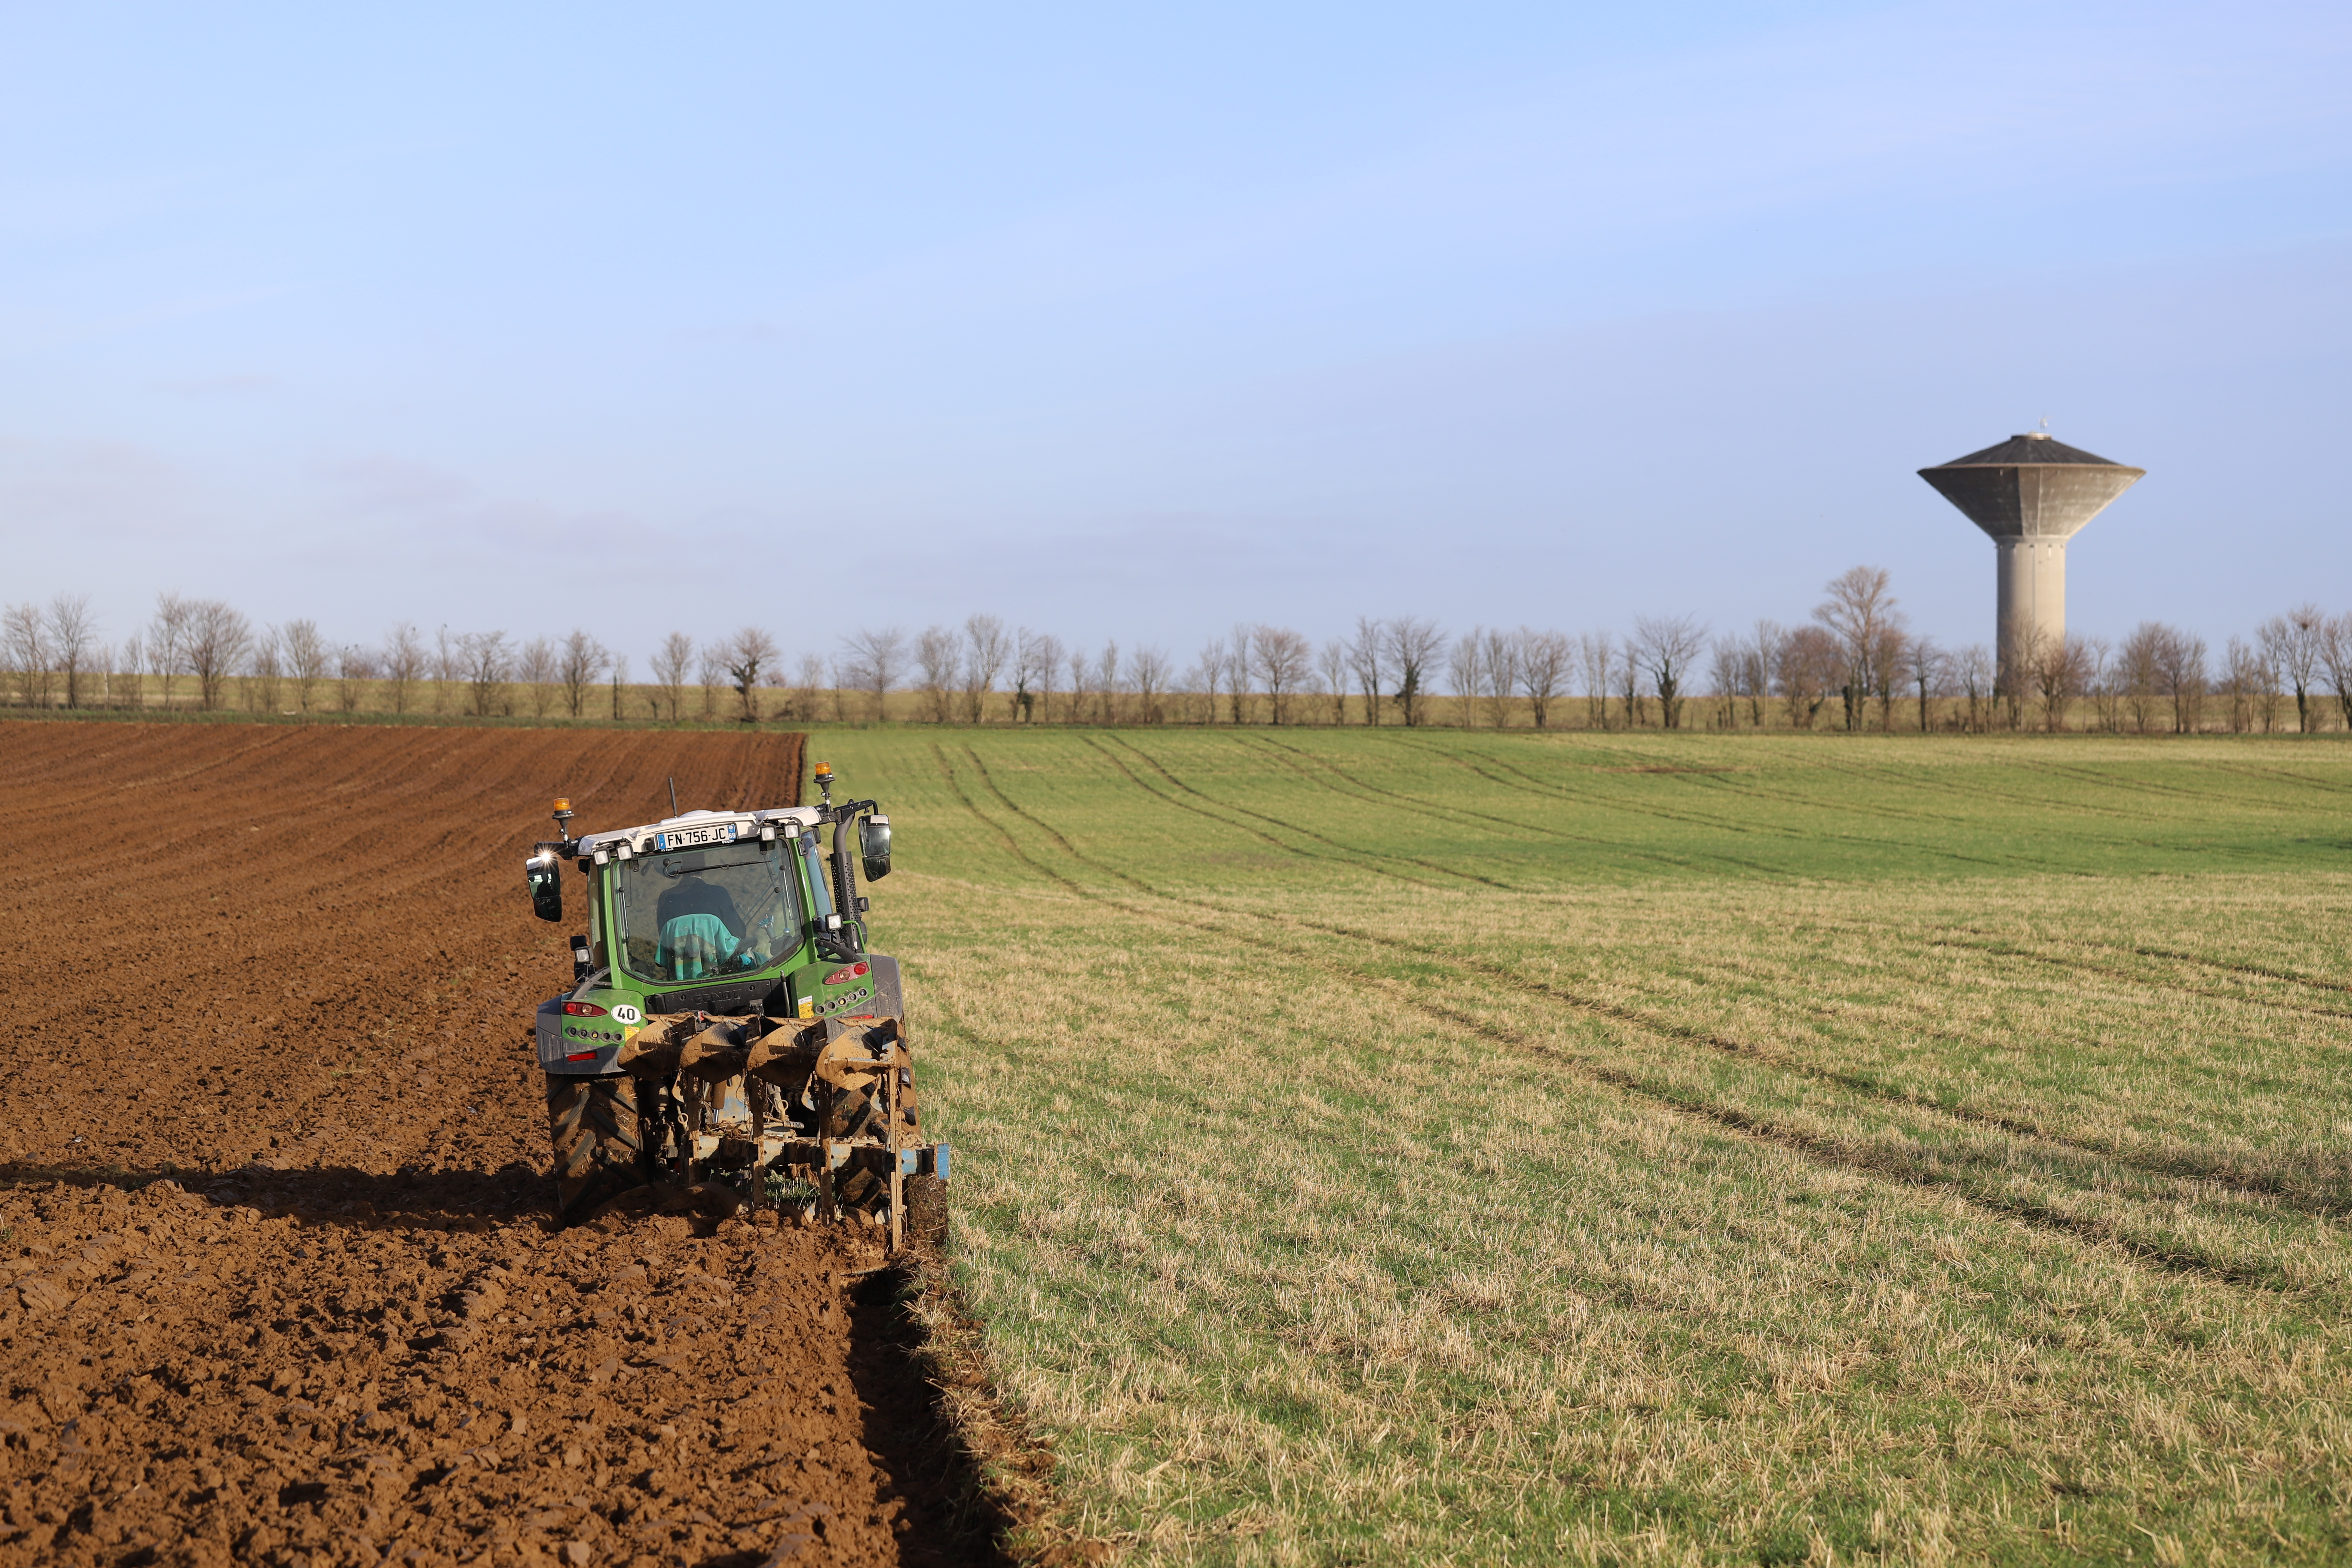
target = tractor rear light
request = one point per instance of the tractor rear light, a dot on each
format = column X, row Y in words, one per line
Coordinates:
column 580, row 1056
column 584, row 1009
column 846, row 973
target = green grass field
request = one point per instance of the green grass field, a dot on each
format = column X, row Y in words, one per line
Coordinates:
column 1408, row 1148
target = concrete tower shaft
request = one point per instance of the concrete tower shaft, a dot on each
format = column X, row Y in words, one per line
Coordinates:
column 2032, row 494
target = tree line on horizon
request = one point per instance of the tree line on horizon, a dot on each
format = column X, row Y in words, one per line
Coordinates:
column 1854, row 655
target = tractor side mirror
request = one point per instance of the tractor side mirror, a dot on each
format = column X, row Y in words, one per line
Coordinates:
column 544, row 875
column 873, row 846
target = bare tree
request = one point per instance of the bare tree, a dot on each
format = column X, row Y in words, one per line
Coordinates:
column 986, row 648
column 1037, row 659
column 354, row 667
column 1543, row 661
column 448, row 665
column 1283, row 662
column 582, row 663
column 2265, row 692
column 2106, row 694
column 2060, row 669
column 1887, row 665
column 1413, row 645
column 1810, row 663
column 1331, row 664
column 488, row 666
column 806, row 687
column 1209, row 675
column 1106, row 685
column 1723, row 677
column 1498, row 665
column 1237, row 671
column 25, row 639
column 2180, row 676
column 710, row 675
column 537, row 664
column 2291, row 642
column 1924, row 665
column 1597, row 653
column 1860, row 613
column 1024, row 676
column 750, row 651
column 131, row 668
column 265, row 668
column 1367, row 659
column 1759, row 659
column 2335, row 655
column 1082, row 672
column 1465, row 672
column 877, row 659
column 1152, row 671
column 2242, row 678
column 167, row 641
column 620, row 685
column 1631, row 703
column 1973, row 672
column 938, row 655
column 217, row 638
column 673, row 662
column 403, row 663
column 73, row 629
column 1667, row 646
column 307, row 659
column 2138, row 663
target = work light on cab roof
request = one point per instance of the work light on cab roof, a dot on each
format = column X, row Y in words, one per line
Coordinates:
column 730, row 1036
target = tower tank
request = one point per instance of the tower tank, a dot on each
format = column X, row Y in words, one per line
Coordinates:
column 2032, row 493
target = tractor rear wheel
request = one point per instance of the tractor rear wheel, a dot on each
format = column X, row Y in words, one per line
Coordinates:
column 599, row 1140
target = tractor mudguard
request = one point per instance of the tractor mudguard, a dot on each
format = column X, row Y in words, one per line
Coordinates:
column 556, row 1053
column 889, row 996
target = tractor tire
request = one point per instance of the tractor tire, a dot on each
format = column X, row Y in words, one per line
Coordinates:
column 599, row 1142
column 927, row 1212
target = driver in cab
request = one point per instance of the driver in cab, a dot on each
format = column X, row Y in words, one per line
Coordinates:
column 701, row 926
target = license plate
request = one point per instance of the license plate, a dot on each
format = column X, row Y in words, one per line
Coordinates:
column 695, row 837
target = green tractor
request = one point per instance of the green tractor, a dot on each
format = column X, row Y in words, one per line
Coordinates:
column 728, row 1034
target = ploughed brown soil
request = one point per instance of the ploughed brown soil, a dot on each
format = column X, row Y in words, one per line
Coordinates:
column 278, row 1283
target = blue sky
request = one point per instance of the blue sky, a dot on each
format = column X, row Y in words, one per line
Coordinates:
column 1135, row 324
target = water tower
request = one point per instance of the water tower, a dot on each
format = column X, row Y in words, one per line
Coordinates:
column 2032, row 494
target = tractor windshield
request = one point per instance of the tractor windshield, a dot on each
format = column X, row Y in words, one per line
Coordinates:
column 702, row 914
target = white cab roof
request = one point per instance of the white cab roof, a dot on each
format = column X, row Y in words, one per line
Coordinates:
column 784, row 819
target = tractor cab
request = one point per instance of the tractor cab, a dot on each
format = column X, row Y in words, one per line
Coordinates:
column 715, row 911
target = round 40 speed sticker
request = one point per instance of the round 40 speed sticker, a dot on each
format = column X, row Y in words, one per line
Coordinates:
column 626, row 1013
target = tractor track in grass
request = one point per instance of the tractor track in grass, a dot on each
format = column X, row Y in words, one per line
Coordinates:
column 1524, row 782
column 2284, row 976
column 1876, row 773
column 1538, row 787
column 2006, row 948
column 1820, row 1151
column 1438, row 867
column 276, row 1276
column 1360, row 859
column 2250, row 770
column 1374, row 795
